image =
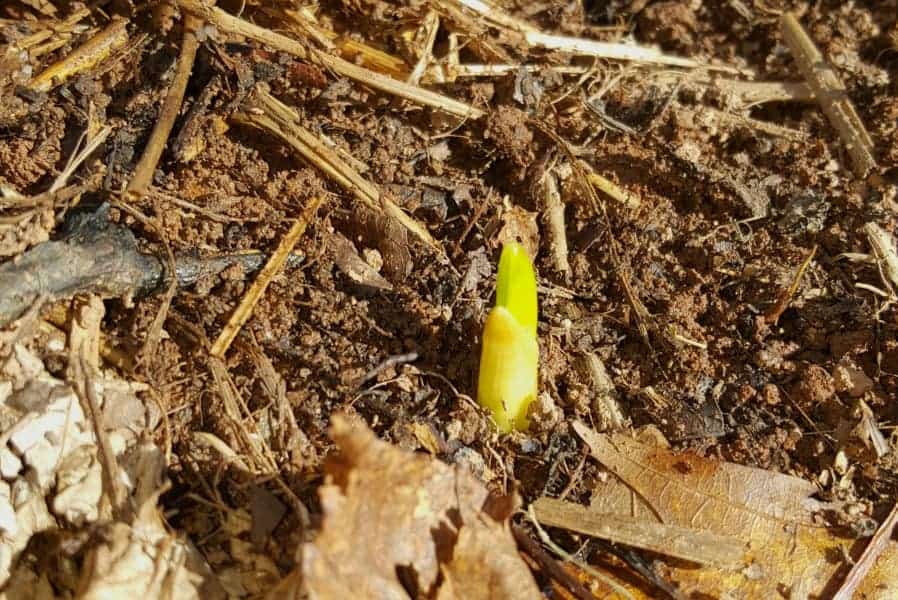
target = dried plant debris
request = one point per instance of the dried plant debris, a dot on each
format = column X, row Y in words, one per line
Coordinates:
column 54, row 476
column 782, row 531
column 399, row 525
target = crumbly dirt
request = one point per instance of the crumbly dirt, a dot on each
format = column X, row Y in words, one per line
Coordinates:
column 727, row 214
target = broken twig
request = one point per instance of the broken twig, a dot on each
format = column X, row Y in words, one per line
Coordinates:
column 101, row 257
column 556, row 231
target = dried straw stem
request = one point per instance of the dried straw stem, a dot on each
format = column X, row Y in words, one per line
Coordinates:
column 231, row 24
column 831, row 95
column 86, row 56
column 574, row 45
column 272, row 268
column 143, row 174
column 270, row 114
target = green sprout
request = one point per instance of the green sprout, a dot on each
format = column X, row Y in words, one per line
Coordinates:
column 509, row 362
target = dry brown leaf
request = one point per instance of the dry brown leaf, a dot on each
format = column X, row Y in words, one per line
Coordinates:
column 479, row 570
column 353, row 266
column 695, row 545
column 790, row 553
column 143, row 560
column 387, row 510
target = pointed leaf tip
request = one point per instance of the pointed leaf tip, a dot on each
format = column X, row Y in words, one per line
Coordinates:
column 516, row 286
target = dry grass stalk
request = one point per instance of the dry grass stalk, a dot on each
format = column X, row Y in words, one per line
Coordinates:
column 143, row 173
column 417, row 95
column 309, row 27
column 883, row 245
column 268, row 113
column 556, row 230
column 50, row 46
column 79, row 158
column 614, row 191
column 89, row 54
column 773, row 314
column 449, row 73
column 877, row 545
column 373, row 58
column 831, row 95
column 582, row 171
column 742, row 94
column 261, row 460
column 428, row 35
column 272, row 268
column 573, row 45
column 735, row 120
column 751, row 93
column 84, row 365
column 63, row 28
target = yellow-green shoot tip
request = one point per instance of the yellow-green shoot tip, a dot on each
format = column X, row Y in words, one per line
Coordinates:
column 509, row 362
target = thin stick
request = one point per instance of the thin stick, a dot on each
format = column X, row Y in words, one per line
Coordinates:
column 97, row 48
column 143, row 174
column 548, row 541
column 107, row 455
column 549, row 564
column 556, row 230
column 872, row 552
column 231, row 24
column 831, row 95
column 271, row 269
column 782, row 303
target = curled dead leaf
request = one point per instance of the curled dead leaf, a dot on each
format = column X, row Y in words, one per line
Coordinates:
column 396, row 523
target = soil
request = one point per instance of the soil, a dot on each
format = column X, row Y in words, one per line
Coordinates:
column 727, row 214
